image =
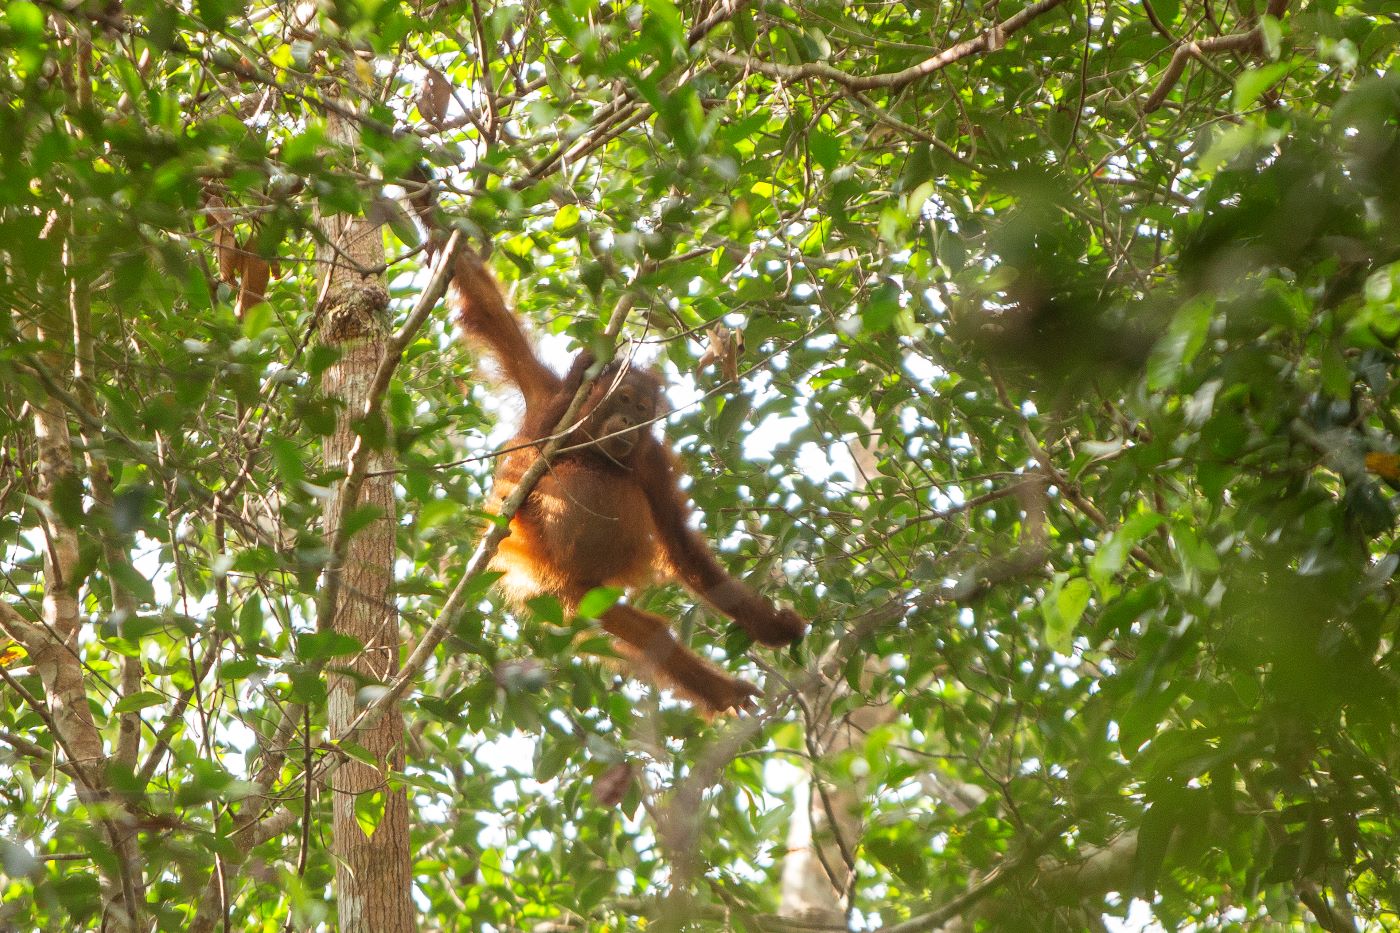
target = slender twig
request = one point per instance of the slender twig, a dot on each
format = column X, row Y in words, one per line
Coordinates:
column 1083, row 76
column 1156, row 21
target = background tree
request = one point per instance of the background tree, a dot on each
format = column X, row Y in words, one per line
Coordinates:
column 373, row 862
column 1112, row 284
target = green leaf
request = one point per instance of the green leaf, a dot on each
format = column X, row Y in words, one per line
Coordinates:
column 363, row 515
column 66, row 499
column 1253, row 82
column 303, row 152
column 1336, row 374
column 733, row 416
column 598, row 601
column 317, row 646
column 1062, row 610
column 238, row 669
column 824, row 148
column 217, row 13
column 307, row 685
column 1184, row 339
column 257, row 319
column 551, row 757
column 369, row 810
column 399, row 222
column 129, row 508
column 437, row 512
column 1195, row 550
column 566, row 218
column 287, row 456
column 26, row 19
column 1073, row 600
column 130, row 579
column 546, row 609
column 1113, row 550
column 881, row 309
column 359, row 753
column 250, row 622
column 137, row 701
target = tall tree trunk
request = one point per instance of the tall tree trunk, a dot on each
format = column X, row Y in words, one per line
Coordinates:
column 828, row 820
column 374, row 869
column 826, row 825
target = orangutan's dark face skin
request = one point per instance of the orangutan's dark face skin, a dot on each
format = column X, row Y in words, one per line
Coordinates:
column 629, row 403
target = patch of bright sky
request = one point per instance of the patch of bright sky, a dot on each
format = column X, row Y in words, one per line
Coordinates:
column 1139, row 919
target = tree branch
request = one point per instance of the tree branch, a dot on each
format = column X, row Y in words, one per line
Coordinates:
column 38, row 753
column 1250, row 41
column 989, row 882
column 989, row 40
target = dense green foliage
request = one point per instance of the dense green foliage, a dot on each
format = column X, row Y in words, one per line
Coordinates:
column 1122, row 580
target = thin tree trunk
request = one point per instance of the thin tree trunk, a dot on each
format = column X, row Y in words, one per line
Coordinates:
column 373, row 870
column 53, row 644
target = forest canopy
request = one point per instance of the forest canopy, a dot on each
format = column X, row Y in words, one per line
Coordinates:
column 1042, row 356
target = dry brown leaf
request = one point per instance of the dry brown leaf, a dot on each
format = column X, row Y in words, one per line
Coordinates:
column 228, row 254
column 733, row 351
column 254, row 290
column 726, row 346
column 1386, row 466
column 434, row 97
column 612, row 785
column 219, row 213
